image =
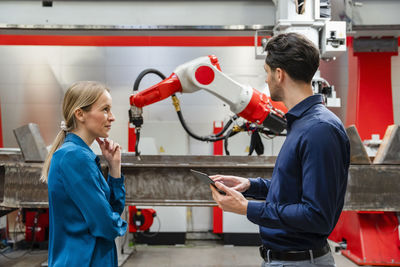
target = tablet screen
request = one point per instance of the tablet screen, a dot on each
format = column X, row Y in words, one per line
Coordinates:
column 202, row 176
column 206, row 179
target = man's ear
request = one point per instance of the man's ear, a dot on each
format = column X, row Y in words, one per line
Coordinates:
column 79, row 115
column 279, row 75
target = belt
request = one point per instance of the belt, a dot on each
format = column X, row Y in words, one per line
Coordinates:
column 269, row 255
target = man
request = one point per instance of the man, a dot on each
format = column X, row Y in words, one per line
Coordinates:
column 305, row 196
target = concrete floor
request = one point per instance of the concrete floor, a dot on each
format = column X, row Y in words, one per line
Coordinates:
column 200, row 254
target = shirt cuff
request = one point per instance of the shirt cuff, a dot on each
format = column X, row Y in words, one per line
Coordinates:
column 253, row 189
column 116, row 181
column 254, row 209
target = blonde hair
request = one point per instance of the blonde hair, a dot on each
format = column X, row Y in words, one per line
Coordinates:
column 81, row 95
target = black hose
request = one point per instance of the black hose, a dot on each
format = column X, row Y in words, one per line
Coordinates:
column 256, row 144
column 234, row 117
column 208, row 138
column 226, row 143
column 137, row 153
column 226, row 137
column 144, row 73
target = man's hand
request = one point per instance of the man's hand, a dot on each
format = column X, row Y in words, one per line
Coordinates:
column 233, row 201
column 239, row 184
column 112, row 154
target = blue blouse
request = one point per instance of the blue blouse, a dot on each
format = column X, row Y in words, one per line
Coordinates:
column 84, row 208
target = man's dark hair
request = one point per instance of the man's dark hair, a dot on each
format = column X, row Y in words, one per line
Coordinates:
column 293, row 53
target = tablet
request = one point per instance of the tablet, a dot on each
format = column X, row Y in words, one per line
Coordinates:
column 206, row 179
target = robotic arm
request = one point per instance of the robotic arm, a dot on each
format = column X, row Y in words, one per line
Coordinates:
column 204, row 73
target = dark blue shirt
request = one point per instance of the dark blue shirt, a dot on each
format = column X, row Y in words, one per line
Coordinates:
column 84, row 208
column 305, row 196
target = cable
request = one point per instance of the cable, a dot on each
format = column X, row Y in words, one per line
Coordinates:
column 226, row 143
column 137, row 131
column 144, row 73
column 231, row 133
column 256, row 144
column 232, row 119
column 209, row 138
column 155, row 233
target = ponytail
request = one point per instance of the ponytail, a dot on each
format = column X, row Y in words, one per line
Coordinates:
column 56, row 144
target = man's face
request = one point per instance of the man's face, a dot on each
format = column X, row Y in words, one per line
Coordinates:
column 274, row 89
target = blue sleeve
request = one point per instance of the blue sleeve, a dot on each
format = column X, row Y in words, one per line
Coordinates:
column 117, row 193
column 258, row 188
column 82, row 185
column 323, row 160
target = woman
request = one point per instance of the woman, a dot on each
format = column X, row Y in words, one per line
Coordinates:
column 84, row 208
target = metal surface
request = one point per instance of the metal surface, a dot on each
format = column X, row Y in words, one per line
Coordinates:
column 358, row 154
column 166, row 181
column 31, row 143
column 376, row 45
column 150, row 180
column 389, row 152
column 373, row 187
column 22, row 187
column 137, row 27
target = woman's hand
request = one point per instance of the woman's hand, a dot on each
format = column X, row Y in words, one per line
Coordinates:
column 112, row 154
column 237, row 183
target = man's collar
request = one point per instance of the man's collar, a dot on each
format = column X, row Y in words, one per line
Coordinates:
column 298, row 110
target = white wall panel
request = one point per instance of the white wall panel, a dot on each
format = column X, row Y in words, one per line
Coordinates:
column 128, row 56
column 160, row 112
column 201, row 220
column 26, row 74
column 123, row 76
column 83, row 56
column 139, row 12
column 120, row 98
column 235, row 223
column 377, row 12
column 72, row 74
column 173, row 219
column 32, row 55
column 46, row 116
column 168, row 135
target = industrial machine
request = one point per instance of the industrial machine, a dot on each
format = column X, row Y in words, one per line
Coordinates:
column 36, row 225
column 258, row 109
column 140, row 219
column 311, row 18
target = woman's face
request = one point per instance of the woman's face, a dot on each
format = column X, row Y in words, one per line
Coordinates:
column 98, row 120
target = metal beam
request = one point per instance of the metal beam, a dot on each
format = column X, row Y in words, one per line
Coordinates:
column 166, row 181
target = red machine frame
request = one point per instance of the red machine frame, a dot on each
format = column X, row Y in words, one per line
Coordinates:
column 372, row 237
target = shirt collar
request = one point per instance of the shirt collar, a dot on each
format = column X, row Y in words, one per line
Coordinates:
column 298, row 110
column 71, row 137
